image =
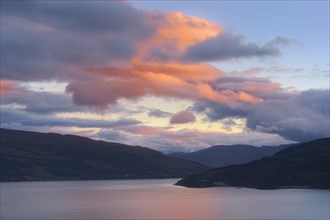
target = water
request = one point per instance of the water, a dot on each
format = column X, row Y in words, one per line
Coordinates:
column 155, row 199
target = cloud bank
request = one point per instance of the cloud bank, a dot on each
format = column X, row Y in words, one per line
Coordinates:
column 109, row 51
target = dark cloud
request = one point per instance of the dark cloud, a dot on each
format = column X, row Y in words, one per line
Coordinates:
column 60, row 40
column 182, row 117
column 301, row 118
column 43, row 102
column 27, row 55
column 229, row 122
column 295, row 117
column 231, row 46
column 216, row 111
column 166, row 52
column 119, row 48
column 86, row 16
column 19, row 117
column 101, row 93
column 260, row 87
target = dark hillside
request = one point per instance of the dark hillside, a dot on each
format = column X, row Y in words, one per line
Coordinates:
column 224, row 155
column 39, row 156
column 304, row 165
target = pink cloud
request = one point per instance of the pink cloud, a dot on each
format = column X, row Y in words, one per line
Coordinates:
column 11, row 89
column 182, row 117
column 142, row 130
column 142, row 75
column 6, row 87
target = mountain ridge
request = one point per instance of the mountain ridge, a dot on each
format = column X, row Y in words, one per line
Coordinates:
column 33, row 156
column 305, row 165
column 224, row 155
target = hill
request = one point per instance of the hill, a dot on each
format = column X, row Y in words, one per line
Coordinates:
column 29, row 156
column 304, row 165
column 224, row 155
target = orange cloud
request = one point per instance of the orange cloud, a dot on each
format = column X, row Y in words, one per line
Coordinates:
column 258, row 88
column 138, row 69
column 224, row 96
column 179, row 30
column 186, row 30
column 159, row 79
column 142, row 76
column 182, row 71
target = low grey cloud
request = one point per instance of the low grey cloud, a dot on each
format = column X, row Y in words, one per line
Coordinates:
column 158, row 113
column 228, row 45
column 112, row 135
column 22, row 118
column 182, row 117
column 39, row 102
column 216, row 111
column 296, row 117
column 301, row 118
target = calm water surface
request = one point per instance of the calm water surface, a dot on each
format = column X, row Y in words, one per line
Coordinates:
column 155, row 199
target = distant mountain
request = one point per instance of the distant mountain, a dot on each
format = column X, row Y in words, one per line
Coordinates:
column 224, row 155
column 304, row 165
column 26, row 155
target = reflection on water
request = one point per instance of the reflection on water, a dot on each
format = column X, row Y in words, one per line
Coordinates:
column 155, row 199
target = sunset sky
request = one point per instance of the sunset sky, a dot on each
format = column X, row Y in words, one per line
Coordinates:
column 168, row 75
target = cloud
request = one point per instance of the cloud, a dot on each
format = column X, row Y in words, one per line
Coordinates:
column 106, row 53
column 39, row 102
column 176, row 32
column 91, row 17
column 252, row 71
column 7, row 87
column 109, row 51
column 207, row 92
column 216, row 111
column 295, row 116
column 141, row 129
column 257, row 70
column 10, row 117
column 112, row 135
column 101, row 93
column 38, row 42
column 301, row 118
column 158, row 113
column 228, row 45
column 258, row 87
column 279, row 69
column 182, row 117
column 169, row 80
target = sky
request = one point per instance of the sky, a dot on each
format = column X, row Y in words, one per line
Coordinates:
column 172, row 76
